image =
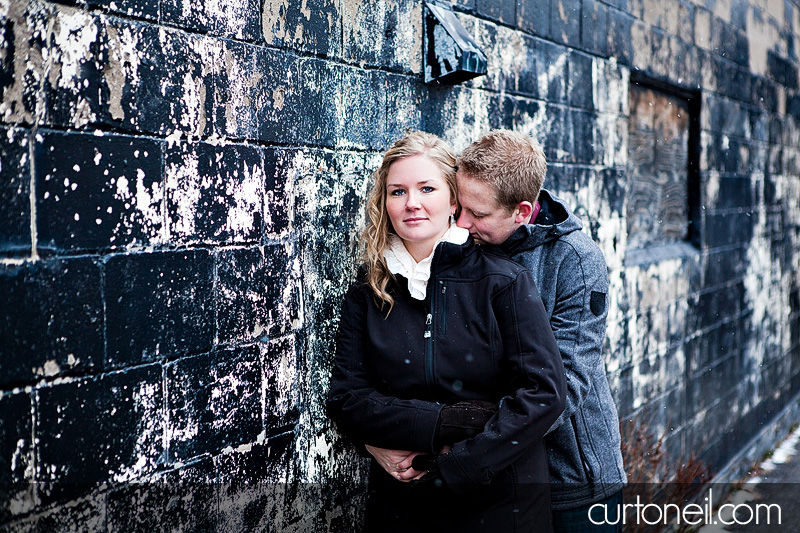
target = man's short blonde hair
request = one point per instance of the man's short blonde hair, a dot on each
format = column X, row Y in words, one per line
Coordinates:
column 511, row 163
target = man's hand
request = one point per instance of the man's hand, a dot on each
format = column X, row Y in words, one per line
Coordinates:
column 397, row 463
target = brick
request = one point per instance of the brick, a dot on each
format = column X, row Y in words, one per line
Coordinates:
column 781, row 70
column 157, row 80
column 15, row 200
column 533, row 16
column 556, row 61
column 793, row 106
column 52, row 319
column 262, row 463
column 724, row 156
column 594, row 27
column 623, row 391
column 614, row 189
column 728, row 228
column 559, row 141
column 312, row 27
column 520, row 68
column 527, row 76
column 345, row 106
column 560, row 178
column 739, row 14
column 72, row 87
column 21, row 62
column 16, row 454
column 252, row 289
column 143, row 9
column 740, row 48
column 583, row 126
column 282, row 404
column 257, row 94
column 97, row 192
column 580, row 84
column 723, row 266
column 501, row 111
column 126, row 436
column 382, row 33
column 564, row 15
column 361, row 109
column 620, row 43
column 467, row 5
column 735, row 191
column 214, row 401
column 278, row 170
column 319, row 81
column 214, row 193
column 7, row 46
column 526, row 112
column 158, row 305
column 687, row 15
column 501, row 11
column 403, row 94
column 758, row 122
column 236, row 19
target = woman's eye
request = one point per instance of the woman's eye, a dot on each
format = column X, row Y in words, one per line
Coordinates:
column 428, row 189
column 397, row 192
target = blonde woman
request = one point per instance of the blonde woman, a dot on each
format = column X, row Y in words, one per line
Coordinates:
column 446, row 369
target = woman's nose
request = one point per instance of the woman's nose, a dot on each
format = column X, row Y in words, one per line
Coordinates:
column 412, row 201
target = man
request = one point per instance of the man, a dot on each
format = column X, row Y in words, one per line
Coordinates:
column 500, row 178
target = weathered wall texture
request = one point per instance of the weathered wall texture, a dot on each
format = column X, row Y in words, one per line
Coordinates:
column 180, row 186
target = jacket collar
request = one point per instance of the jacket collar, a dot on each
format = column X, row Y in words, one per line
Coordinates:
column 555, row 220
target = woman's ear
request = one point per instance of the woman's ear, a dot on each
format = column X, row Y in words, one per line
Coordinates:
column 524, row 212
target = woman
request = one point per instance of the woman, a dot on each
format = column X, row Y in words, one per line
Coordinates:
column 446, row 368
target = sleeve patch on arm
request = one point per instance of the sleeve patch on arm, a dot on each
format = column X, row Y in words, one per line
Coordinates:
column 597, row 303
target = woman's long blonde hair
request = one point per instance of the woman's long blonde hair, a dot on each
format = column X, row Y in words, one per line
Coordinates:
column 375, row 237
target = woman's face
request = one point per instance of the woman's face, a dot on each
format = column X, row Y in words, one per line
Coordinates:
column 418, row 203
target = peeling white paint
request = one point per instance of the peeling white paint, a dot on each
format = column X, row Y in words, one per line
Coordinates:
column 122, row 68
column 273, row 20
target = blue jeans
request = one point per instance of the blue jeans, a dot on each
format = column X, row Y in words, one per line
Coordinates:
column 577, row 520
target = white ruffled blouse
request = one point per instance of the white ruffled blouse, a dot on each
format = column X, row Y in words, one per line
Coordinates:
column 400, row 261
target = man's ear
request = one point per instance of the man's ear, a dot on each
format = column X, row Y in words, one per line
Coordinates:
column 524, row 212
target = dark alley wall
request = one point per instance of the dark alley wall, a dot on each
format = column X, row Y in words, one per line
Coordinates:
column 181, row 184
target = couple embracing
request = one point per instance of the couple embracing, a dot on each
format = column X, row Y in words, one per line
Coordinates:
column 468, row 358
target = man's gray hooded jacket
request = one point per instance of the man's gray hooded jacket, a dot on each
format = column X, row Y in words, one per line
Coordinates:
column 583, row 446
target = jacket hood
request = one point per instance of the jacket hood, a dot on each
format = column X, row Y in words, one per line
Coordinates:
column 555, row 219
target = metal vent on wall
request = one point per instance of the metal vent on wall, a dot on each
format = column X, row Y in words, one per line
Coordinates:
column 450, row 54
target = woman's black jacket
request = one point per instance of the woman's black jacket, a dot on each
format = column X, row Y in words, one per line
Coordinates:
column 481, row 334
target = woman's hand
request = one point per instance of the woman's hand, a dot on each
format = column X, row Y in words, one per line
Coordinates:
column 397, row 463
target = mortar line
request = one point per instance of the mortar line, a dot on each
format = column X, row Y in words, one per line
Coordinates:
column 32, row 194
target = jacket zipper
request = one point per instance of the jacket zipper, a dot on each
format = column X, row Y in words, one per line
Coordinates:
column 443, row 320
column 429, row 349
column 431, row 300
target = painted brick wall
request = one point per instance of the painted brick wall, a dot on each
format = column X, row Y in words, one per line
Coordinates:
column 181, row 183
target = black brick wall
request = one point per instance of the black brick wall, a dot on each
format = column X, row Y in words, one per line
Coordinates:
column 181, row 183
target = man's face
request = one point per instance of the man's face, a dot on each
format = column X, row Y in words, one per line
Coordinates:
column 486, row 221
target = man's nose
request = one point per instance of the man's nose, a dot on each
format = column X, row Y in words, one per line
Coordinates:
column 463, row 220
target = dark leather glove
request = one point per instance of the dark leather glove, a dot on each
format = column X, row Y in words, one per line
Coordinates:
column 424, row 463
column 431, row 478
column 462, row 420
